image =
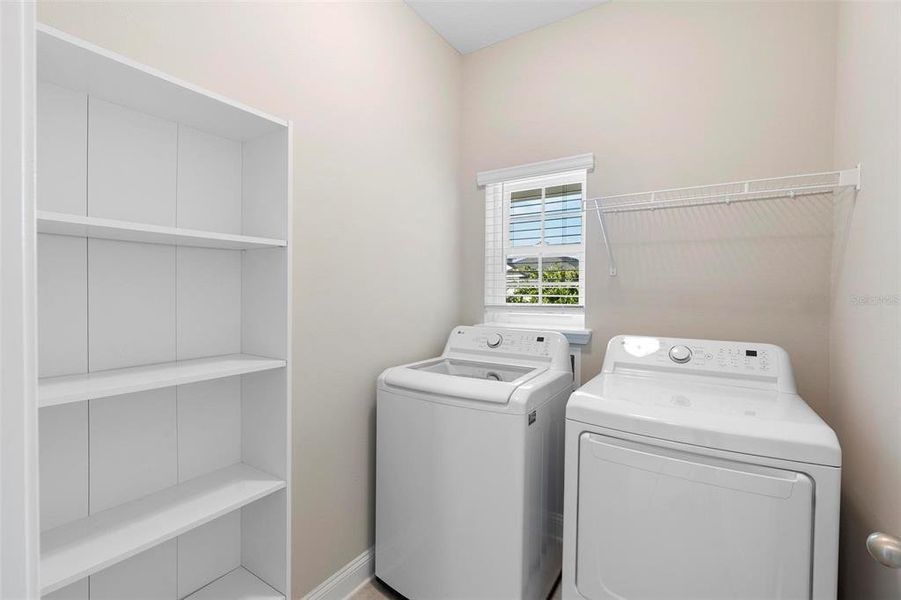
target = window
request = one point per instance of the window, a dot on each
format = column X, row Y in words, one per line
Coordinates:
column 535, row 243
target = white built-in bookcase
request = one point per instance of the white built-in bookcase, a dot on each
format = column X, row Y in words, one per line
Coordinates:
column 164, row 263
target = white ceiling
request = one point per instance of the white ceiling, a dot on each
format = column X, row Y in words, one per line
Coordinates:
column 469, row 25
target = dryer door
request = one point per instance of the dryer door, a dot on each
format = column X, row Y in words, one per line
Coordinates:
column 658, row 523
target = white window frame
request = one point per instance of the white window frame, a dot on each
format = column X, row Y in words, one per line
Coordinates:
column 499, row 184
column 542, row 249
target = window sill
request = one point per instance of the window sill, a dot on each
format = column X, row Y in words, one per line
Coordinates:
column 568, row 320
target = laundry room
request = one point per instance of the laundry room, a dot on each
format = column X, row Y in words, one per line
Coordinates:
column 450, row 299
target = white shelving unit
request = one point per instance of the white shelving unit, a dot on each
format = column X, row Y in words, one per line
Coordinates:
column 164, row 261
column 735, row 192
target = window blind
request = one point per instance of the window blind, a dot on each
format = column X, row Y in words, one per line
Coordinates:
column 494, row 244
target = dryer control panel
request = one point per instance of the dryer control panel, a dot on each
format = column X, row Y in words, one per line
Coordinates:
column 508, row 343
column 766, row 364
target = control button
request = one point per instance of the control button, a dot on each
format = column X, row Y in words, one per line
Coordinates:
column 680, row 354
column 494, row 340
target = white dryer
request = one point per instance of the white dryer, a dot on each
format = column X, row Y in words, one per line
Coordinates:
column 469, row 467
column 695, row 471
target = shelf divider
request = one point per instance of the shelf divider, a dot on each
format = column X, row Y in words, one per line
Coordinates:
column 114, row 382
column 126, row 231
column 78, row 549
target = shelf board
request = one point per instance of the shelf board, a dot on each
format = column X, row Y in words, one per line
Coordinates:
column 239, row 584
column 86, row 546
column 126, row 231
column 78, row 65
column 102, row 384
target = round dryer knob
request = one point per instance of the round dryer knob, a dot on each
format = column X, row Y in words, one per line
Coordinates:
column 494, row 340
column 680, row 354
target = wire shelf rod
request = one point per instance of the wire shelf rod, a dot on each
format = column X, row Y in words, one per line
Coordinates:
column 845, row 177
column 710, row 200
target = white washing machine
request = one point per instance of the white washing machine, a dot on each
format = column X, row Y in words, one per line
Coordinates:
column 469, row 467
column 695, row 471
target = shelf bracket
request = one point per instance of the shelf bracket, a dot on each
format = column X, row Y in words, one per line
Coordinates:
column 611, row 263
column 850, row 177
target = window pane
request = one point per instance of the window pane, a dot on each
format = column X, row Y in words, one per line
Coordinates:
column 564, row 198
column 563, row 209
column 525, row 233
column 525, row 218
column 524, row 298
column 560, row 280
column 565, row 230
column 525, row 203
column 522, row 280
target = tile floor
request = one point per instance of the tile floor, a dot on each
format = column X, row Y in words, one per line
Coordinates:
column 376, row 590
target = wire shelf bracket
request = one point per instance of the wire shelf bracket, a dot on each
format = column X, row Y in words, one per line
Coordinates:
column 752, row 190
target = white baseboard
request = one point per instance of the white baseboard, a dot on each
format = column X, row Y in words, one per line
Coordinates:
column 347, row 579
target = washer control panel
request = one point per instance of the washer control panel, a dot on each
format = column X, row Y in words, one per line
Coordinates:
column 508, row 341
column 481, row 342
column 761, row 362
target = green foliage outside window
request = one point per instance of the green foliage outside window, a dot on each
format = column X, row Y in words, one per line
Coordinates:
column 523, row 283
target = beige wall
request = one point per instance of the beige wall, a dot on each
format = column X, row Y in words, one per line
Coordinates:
column 866, row 338
column 374, row 96
column 675, row 94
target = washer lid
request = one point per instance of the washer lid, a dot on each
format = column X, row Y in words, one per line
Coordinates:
column 724, row 417
column 472, row 380
column 474, row 370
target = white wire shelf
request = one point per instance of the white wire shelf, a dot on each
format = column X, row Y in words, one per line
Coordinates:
column 752, row 190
